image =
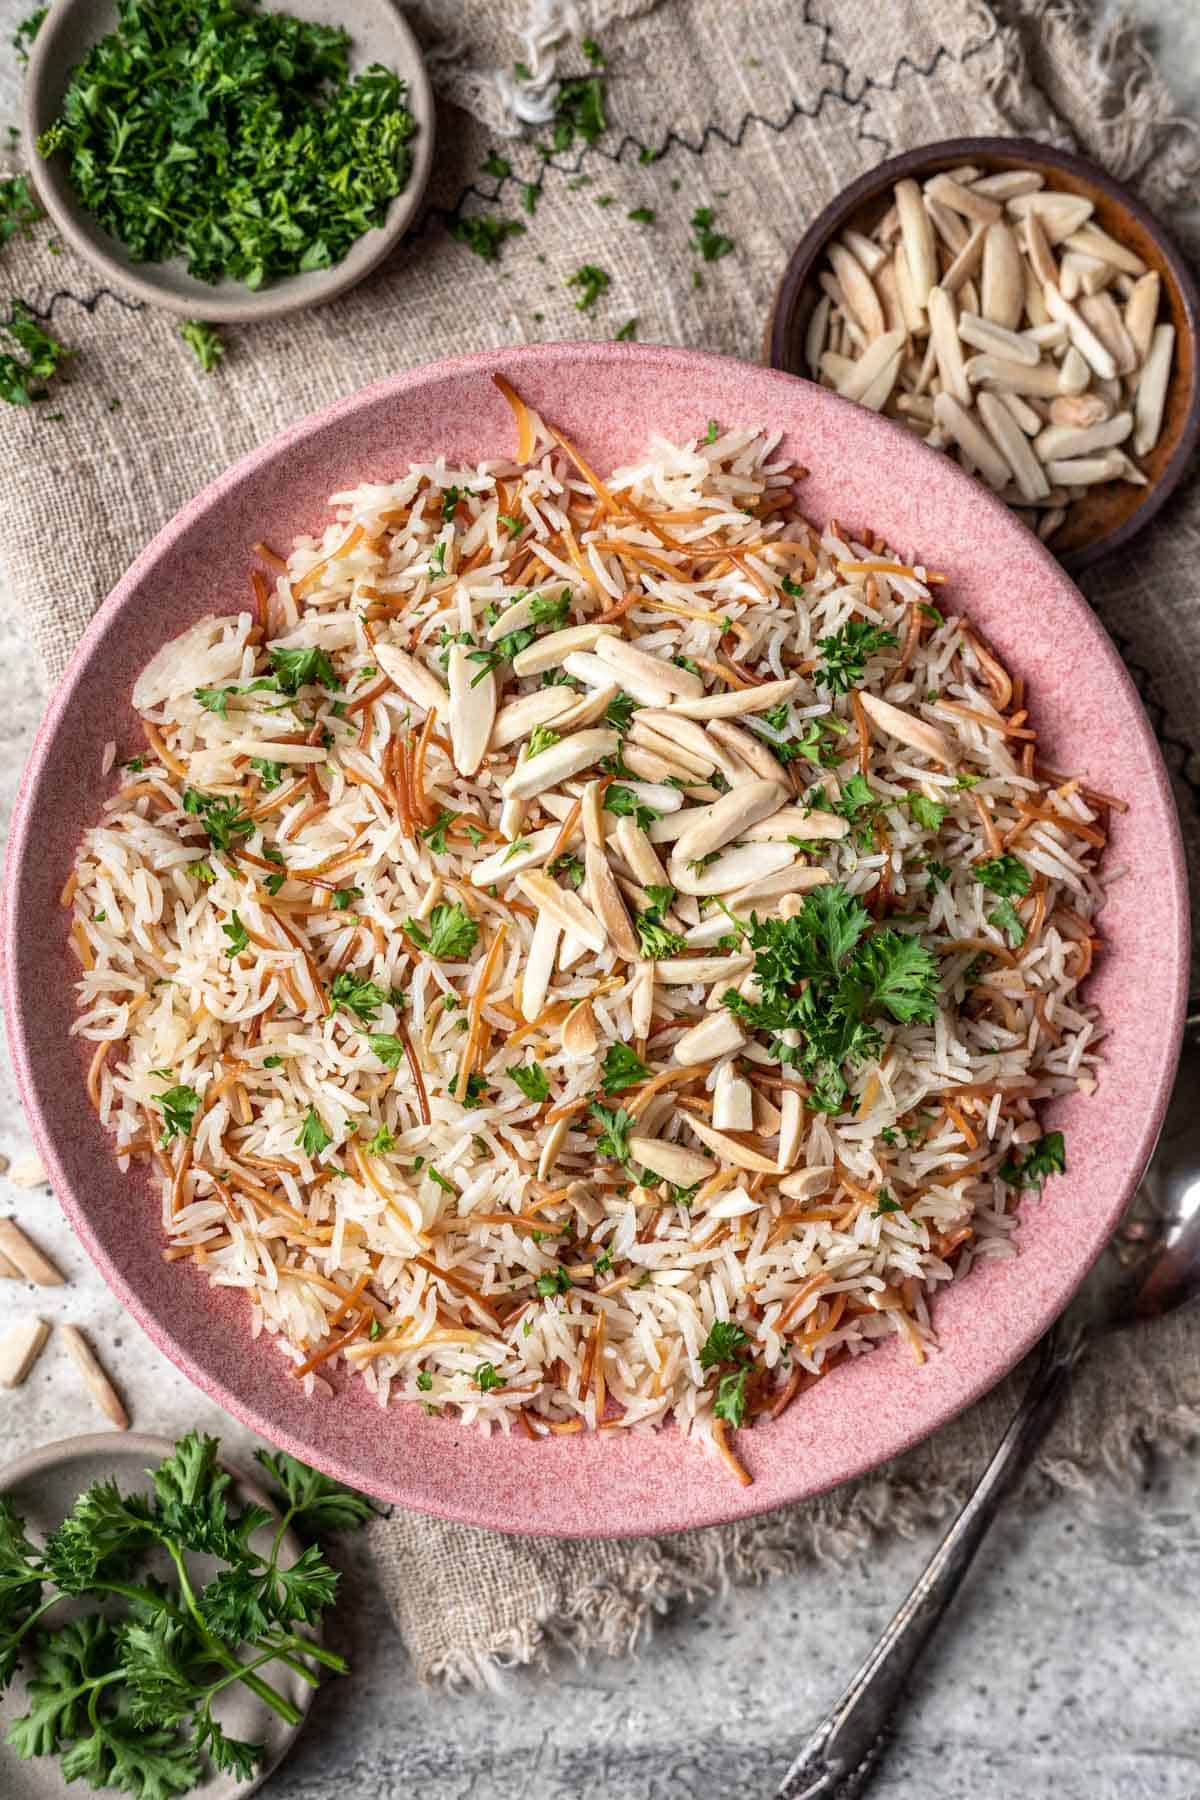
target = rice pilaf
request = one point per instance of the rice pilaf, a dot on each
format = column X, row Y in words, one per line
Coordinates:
column 587, row 953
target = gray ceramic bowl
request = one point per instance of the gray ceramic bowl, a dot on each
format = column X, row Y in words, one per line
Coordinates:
column 43, row 1487
column 378, row 33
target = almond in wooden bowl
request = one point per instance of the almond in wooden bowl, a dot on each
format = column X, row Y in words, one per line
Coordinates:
column 1015, row 306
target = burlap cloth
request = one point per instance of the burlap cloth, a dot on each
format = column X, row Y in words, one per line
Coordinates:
column 762, row 109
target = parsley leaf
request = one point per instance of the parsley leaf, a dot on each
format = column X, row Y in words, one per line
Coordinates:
column 451, row 935
column 486, row 1378
column 362, row 998
column 618, row 714
column 435, row 834
column 1005, row 917
column 302, row 667
column 22, row 379
column 844, row 654
column 531, row 1079
column 624, row 803
column 622, row 1069
column 725, row 1338
column 1005, row 874
column 554, row 1281
column 235, row 931
column 382, row 1142
column 654, row 939
column 614, row 1137
column 591, row 282
column 484, row 233
column 927, row 813
column 1048, row 1156
column 569, row 867
column 312, row 1136
column 178, row 1107
column 730, row 1402
column 541, row 738
column 711, row 243
column 269, row 773
column 204, row 343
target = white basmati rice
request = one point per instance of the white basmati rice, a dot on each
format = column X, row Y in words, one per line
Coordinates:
column 484, row 1257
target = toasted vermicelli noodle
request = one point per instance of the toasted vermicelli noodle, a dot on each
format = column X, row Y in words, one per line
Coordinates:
column 315, row 949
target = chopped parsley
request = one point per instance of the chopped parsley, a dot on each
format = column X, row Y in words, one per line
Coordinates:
column 541, row 738
column 624, row 803
column 202, row 872
column 23, row 378
column 627, row 332
column 178, row 1106
column 591, row 282
column 642, row 215
column 438, row 1179
column 362, row 998
column 550, row 609
column 343, row 897
column 622, row 1069
column 425, row 1381
column 204, row 343
column 272, row 1062
column 19, row 211
column 938, row 872
column 885, row 1204
column 435, row 834
column 569, row 867
column 826, row 975
column 475, row 1094
column 618, row 714
column 654, row 939
column 303, row 667
column 531, row 1079
column 708, row 241
column 223, row 820
column 1048, row 1156
column 554, row 1281
column 495, row 164
column 579, row 111
column 593, row 53
column 235, row 931
column 233, row 138
column 389, row 1049
column 486, row 1378
column 312, row 1136
column 927, row 813
column 615, row 1129
column 484, row 233
column 1005, row 917
column 725, row 1338
column 25, row 33
column 844, row 654
column 451, row 935
column 793, row 589
column 269, row 773
column 1006, row 875
column 730, row 1402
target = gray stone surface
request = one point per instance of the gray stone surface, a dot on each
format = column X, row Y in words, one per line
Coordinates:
column 1069, row 1669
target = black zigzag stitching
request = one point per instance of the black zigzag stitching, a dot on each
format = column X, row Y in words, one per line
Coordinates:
column 88, row 302
column 838, row 93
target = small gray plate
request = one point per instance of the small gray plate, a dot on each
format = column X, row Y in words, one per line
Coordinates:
column 43, row 1487
column 378, row 34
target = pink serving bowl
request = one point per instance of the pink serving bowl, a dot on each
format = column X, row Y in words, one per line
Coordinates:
column 610, row 398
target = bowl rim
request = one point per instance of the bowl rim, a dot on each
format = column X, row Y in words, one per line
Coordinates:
column 674, row 1510
column 925, row 159
column 239, row 304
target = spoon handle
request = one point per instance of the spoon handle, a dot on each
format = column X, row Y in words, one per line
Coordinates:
column 839, row 1758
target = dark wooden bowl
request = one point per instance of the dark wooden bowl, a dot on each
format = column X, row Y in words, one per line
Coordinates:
column 1111, row 514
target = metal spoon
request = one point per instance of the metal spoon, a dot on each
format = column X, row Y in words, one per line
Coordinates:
column 1153, row 1267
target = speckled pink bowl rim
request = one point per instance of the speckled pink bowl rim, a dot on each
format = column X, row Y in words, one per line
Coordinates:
column 610, row 398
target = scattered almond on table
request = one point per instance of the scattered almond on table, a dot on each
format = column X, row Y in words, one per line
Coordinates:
column 23, row 1255
column 990, row 315
column 20, row 1348
column 101, row 1388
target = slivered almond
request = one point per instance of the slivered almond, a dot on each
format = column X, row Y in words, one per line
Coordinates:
column 472, row 711
column 871, row 255
column 1073, row 372
column 910, row 730
column 639, row 852
column 733, row 1101
column 806, row 1184
column 650, row 766
column 508, row 860
column 967, row 201
column 1079, row 331
column 20, row 1348
column 516, row 720
column 1090, row 240
column 733, row 870
column 791, row 1128
column 570, row 951
column 917, row 239
column 981, row 334
column 751, row 750
column 871, row 364
column 967, row 263
column 591, row 813
column 1018, row 378
column 818, row 326
column 1002, row 281
column 548, row 652
column 1061, row 441
column 579, row 1033
column 1141, row 311
column 674, row 751
column 858, row 289
column 539, row 965
column 1102, row 314
column 912, row 311
column 33, row 1263
column 1037, row 246
column 949, row 226
column 513, row 618
column 1081, row 274
column 413, row 679
column 1028, row 473
column 585, row 667
column 1059, row 215
column 641, row 999
column 608, row 906
column 1086, row 471
column 564, row 907
column 685, row 732
column 738, row 701
column 645, row 676
column 794, row 878
column 1151, row 395
column 729, row 1150
column 943, row 332
column 712, row 827
column 1008, row 183
column 683, row 971
column 1079, row 411
column 684, row 1168
column 97, row 1382
column 551, row 1147
column 957, row 423
column 588, row 708
column 794, row 821
column 568, row 757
